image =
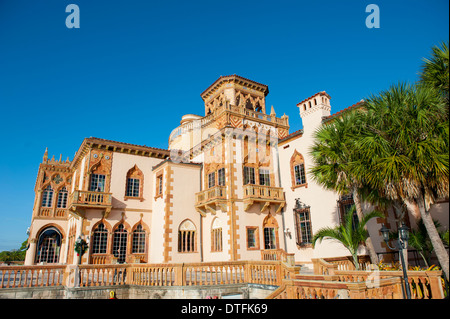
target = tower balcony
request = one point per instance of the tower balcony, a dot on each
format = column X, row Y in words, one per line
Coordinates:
column 265, row 196
column 211, row 199
column 81, row 200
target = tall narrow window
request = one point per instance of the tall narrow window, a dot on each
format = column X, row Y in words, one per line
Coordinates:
column 298, row 171
column 160, row 185
column 211, row 179
column 345, row 203
column 62, row 198
column 120, row 243
column 99, row 239
column 47, row 196
column 216, row 235
column 134, row 183
column 269, row 238
column 303, row 230
column 300, row 177
column 138, row 245
column 132, row 187
column 221, row 176
column 249, row 175
column 270, row 232
column 252, row 237
column 97, row 183
column 186, row 237
column 264, row 177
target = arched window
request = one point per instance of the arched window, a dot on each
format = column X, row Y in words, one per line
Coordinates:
column 49, row 246
column 135, row 183
column 47, row 197
column 120, row 243
column 248, row 104
column 298, row 172
column 186, row 237
column 270, row 226
column 99, row 239
column 138, row 243
column 216, row 235
column 62, row 198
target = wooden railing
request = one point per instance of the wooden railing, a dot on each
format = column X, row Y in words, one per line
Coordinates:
column 31, row 276
column 209, row 195
column 90, row 198
column 263, row 192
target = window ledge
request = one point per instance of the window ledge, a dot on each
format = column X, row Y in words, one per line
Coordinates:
column 132, row 197
column 305, row 185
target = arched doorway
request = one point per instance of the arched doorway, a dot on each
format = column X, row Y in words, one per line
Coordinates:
column 120, row 244
column 49, row 246
column 270, row 227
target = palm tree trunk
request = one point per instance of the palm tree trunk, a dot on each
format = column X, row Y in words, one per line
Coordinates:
column 436, row 241
column 359, row 212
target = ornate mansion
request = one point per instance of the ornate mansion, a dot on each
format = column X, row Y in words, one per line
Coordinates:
column 232, row 185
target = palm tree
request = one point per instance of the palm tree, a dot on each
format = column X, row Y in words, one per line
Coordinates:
column 349, row 235
column 334, row 155
column 435, row 70
column 405, row 151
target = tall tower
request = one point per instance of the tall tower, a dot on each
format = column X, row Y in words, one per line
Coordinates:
column 235, row 90
column 313, row 110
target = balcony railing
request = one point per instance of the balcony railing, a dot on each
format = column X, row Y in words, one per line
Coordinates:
column 90, row 198
column 263, row 194
column 211, row 197
column 87, row 199
column 52, row 212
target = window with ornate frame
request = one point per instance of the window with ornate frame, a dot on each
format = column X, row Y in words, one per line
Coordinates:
column 211, row 179
column 221, row 177
column 298, row 171
column 252, row 238
column 120, row 239
column 97, row 183
column 47, row 197
column 99, row 239
column 187, row 237
column 62, row 198
column 48, row 246
column 138, row 242
column 264, row 177
column 216, row 236
column 159, row 184
column 270, row 232
column 134, row 184
column 303, row 230
column 249, row 175
column 132, row 187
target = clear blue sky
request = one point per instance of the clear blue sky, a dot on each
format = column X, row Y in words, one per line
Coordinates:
column 135, row 67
